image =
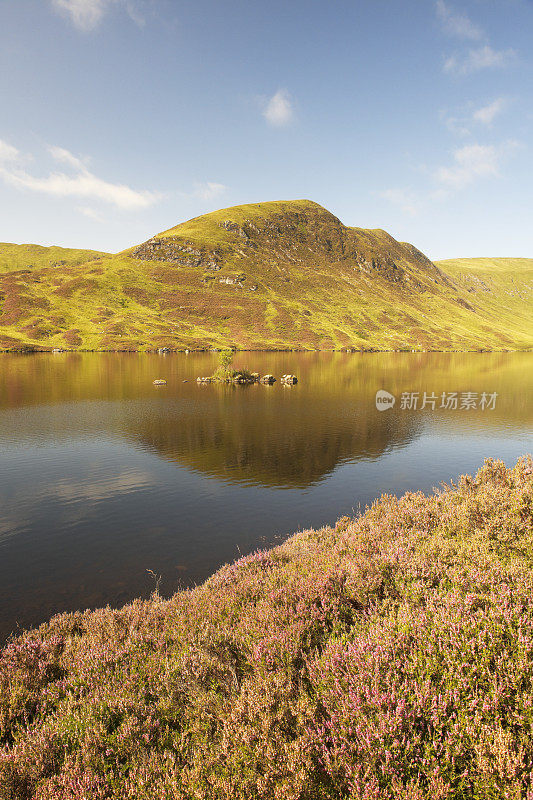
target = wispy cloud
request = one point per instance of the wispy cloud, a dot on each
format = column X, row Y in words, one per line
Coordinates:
column 86, row 15
column 208, row 190
column 279, row 109
column 8, row 153
column 403, row 198
column 464, row 121
column 458, row 125
column 456, row 23
column 66, row 157
column 478, row 58
column 472, row 162
column 469, row 164
column 91, row 213
column 487, row 114
column 79, row 183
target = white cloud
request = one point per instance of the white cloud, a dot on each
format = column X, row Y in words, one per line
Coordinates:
column 65, row 156
column 457, row 24
column 404, row 198
column 208, row 190
column 279, row 110
column 456, row 125
column 487, row 114
column 478, row 58
column 461, row 121
column 82, row 183
column 91, row 213
column 8, row 153
column 472, row 162
column 469, row 163
column 87, row 14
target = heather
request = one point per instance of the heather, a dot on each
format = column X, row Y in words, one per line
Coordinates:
column 269, row 276
column 389, row 657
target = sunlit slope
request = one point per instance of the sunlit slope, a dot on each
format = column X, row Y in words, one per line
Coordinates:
column 31, row 256
column 266, row 275
column 500, row 288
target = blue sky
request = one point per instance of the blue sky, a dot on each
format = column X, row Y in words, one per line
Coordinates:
column 121, row 118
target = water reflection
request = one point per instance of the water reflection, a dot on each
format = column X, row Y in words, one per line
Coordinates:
column 103, row 475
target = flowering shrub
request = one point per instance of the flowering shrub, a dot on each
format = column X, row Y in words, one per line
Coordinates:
column 391, row 657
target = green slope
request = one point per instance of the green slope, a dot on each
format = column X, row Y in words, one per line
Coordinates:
column 267, row 275
column 31, row 256
column 500, row 288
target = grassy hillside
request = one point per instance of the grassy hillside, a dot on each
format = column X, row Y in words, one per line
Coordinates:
column 32, row 256
column 265, row 275
column 387, row 659
column 500, row 288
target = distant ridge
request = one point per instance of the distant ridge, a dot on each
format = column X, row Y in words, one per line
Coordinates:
column 273, row 275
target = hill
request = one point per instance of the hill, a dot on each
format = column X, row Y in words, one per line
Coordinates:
column 500, row 288
column 267, row 275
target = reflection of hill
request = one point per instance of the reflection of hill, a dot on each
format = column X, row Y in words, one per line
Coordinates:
column 235, row 439
column 274, row 436
column 295, row 436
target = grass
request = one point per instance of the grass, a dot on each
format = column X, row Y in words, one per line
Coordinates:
column 267, row 276
column 501, row 289
column 31, row 256
column 389, row 658
column 207, row 230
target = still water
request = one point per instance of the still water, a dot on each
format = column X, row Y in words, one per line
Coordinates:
column 106, row 479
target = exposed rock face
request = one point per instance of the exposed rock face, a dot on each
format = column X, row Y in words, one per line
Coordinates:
column 174, row 251
column 291, row 238
column 233, row 280
column 275, row 275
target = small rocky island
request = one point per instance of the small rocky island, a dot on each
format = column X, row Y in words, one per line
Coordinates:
column 244, row 377
column 225, row 373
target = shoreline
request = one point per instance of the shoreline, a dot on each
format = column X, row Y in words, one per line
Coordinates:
column 186, row 351
column 376, row 653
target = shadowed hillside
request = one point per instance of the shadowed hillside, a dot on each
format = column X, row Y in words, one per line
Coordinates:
column 266, row 275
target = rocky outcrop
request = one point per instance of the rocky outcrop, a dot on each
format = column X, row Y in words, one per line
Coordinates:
column 299, row 235
column 174, row 251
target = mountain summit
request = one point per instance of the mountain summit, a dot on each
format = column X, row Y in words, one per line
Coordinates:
column 294, row 236
column 275, row 275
